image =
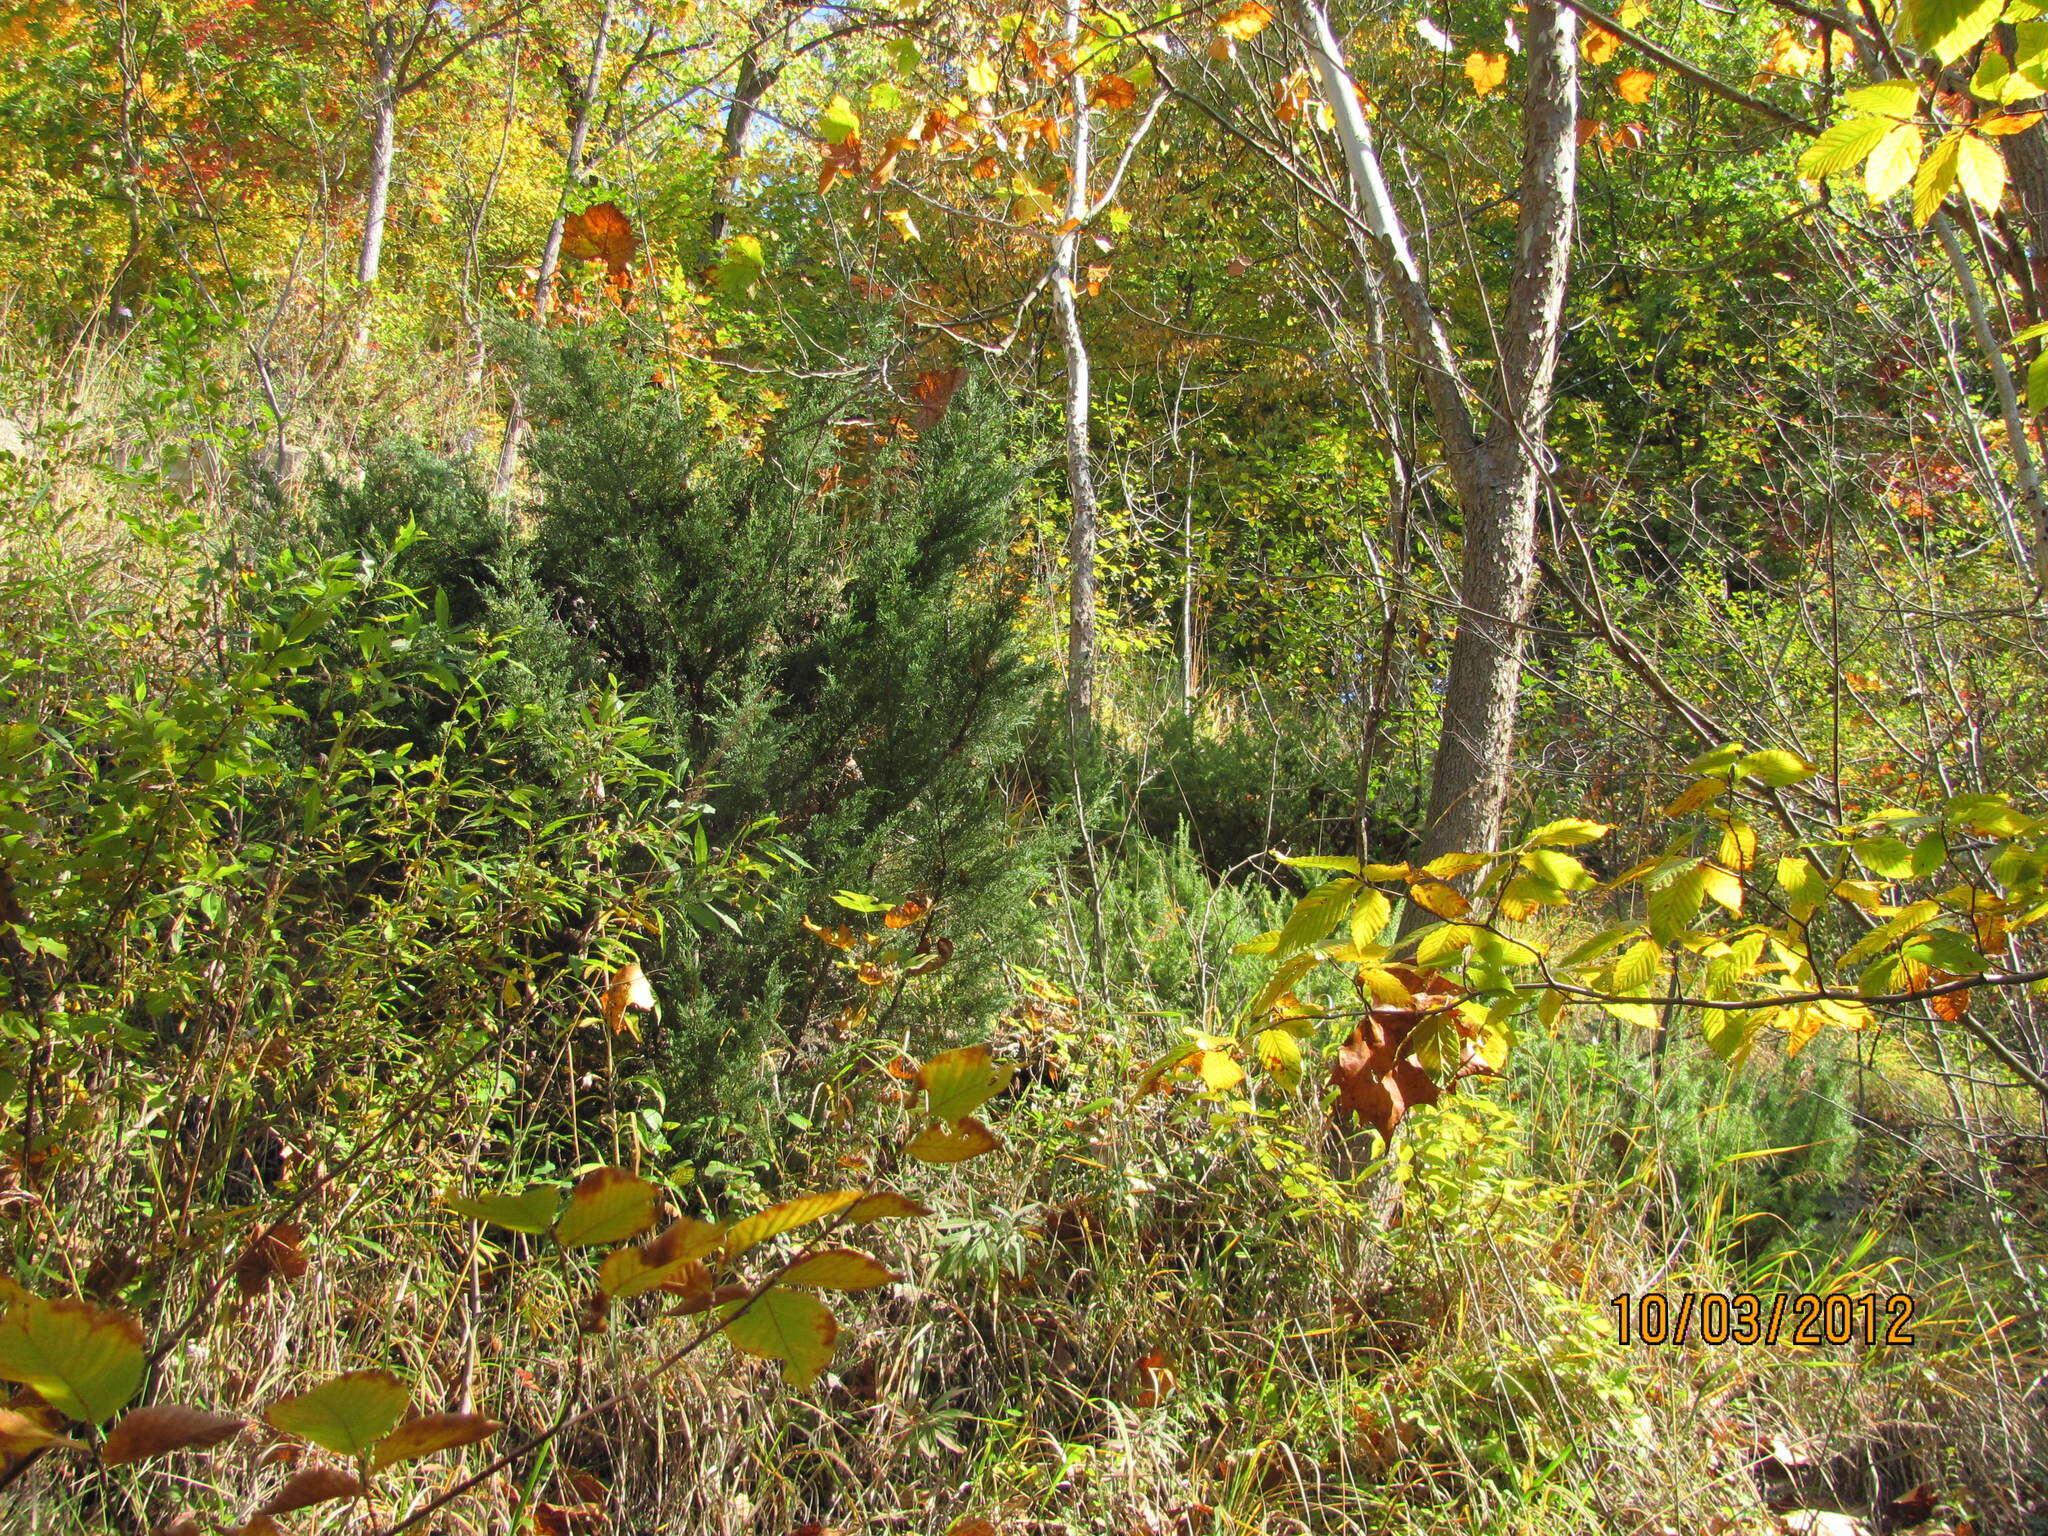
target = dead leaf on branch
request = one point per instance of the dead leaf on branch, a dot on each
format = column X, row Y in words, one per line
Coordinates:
column 163, row 1428
column 601, row 233
column 1377, row 1074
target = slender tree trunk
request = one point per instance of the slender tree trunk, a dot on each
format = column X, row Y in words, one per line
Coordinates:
column 1499, row 474
column 383, row 153
column 1083, row 529
column 551, row 248
column 751, row 86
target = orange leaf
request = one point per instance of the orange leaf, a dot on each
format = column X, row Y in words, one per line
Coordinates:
column 1485, row 70
column 628, row 988
column 272, row 1253
column 1599, row 45
column 1115, row 93
column 1245, row 22
column 601, row 232
column 1634, row 85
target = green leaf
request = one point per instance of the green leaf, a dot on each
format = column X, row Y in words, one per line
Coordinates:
column 904, row 55
column 1936, row 175
column 2037, row 384
column 1948, row 29
column 957, row 1083
column 1639, row 967
column 1843, row 148
column 1893, row 98
column 608, row 1205
column 2030, row 51
column 1343, row 863
column 347, row 1415
column 1775, row 768
column 1804, row 886
column 1279, row 1054
column 1731, row 1032
column 1720, row 760
column 1988, row 83
column 742, row 267
column 1598, row 945
column 1886, row 856
column 1947, row 950
column 791, row 1326
column 84, row 1361
column 1929, row 854
column 838, row 122
column 532, row 1210
column 1907, row 920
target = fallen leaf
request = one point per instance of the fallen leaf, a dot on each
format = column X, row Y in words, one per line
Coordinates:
column 274, row 1252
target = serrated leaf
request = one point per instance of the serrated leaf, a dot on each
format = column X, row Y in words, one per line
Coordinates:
column 1891, row 98
column 1673, row 905
column 1980, row 169
column 21, row 1435
column 1639, row 967
column 1948, row 29
column 347, row 1415
column 1442, row 940
column 1731, row 1032
column 1218, row 1070
column 608, row 1205
column 1947, row 950
column 1720, row 760
column 1988, row 83
column 1446, row 901
column 84, row 1361
column 1263, row 944
column 1369, row 917
column 1929, row 854
column 1722, row 887
column 1343, row 863
column 1776, row 768
column 837, row 1269
column 1936, row 175
column 883, row 1206
column 1314, row 916
column 1598, row 945
column 786, row 1217
column 163, row 1428
column 1572, row 832
column 957, row 1083
column 1908, row 919
column 1558, row 869
column 1385, row 987
column 793, row 1327
column 956, row 1143
column 532, row 1210
column 432, row 1432
column 1279, row 1056
column 1696, row 794
column 1889, row 170
column 1843, row 147
column 305, row 1488
column 1886, row 856
column 661, row 1260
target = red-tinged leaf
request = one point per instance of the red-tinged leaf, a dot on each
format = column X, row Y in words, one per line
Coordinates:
column 785, row 1217
column 883, row 1206
column 20, row 1434
column 163, row 1428
column 84, row 1361
column 837, row 1269
column 791, row 1326
column 608, row 1205
column 601, row 233
column 432, row 1432
column 317, row 1484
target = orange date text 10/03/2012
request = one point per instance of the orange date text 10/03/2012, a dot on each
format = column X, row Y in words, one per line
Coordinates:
column 1804, row 1319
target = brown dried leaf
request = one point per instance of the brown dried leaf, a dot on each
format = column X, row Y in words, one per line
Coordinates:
column 163, row 1428
column 628, row 988
column 432, row 1432
column 601, row 232
column 21, row 1433
column 1375, row 1076
column 316, row 1484
column 273, row 1253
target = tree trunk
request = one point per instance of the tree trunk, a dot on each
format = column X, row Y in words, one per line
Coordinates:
column 1499, row 475
column 551, row 248
column 1083, row 529
column 752, row 85
column 383, row 152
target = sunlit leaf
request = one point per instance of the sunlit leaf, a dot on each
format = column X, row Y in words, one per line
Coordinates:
column 793, row 1327
column 786, row 1217
column 838, row 1269
column 163, row 1428
column 958, row 1082
column 942, row 1143
column 532, row 1210
column 838, row 122
column 347, row 1415
column 1485, row 70
column 608, row 1205
column 432, row 1432
column 84, row 1361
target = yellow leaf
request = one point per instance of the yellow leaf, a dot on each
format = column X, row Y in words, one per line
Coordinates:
column 1631, row 13
column 982, row 79
column 1695, row 795
column 432, row 1432
column 1218, row 1070
column 1245, row 22
column 1937, row 174
column 1981, row 170
column 1444, row 900
column 958, row 1082
column 1634, row 85
column 952, row 1144
column 1485, row 70
column 20, row 1434
column 790, row 1214
column 1738, row 845
column 608, row 1205
column 1722, row 887
column 837, row 1269
column 662, row 1260
column 1599, row 45
column 900, row 220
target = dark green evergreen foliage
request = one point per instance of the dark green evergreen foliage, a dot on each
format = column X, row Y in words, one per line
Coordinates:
column 468, row 541
column 822, row 634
